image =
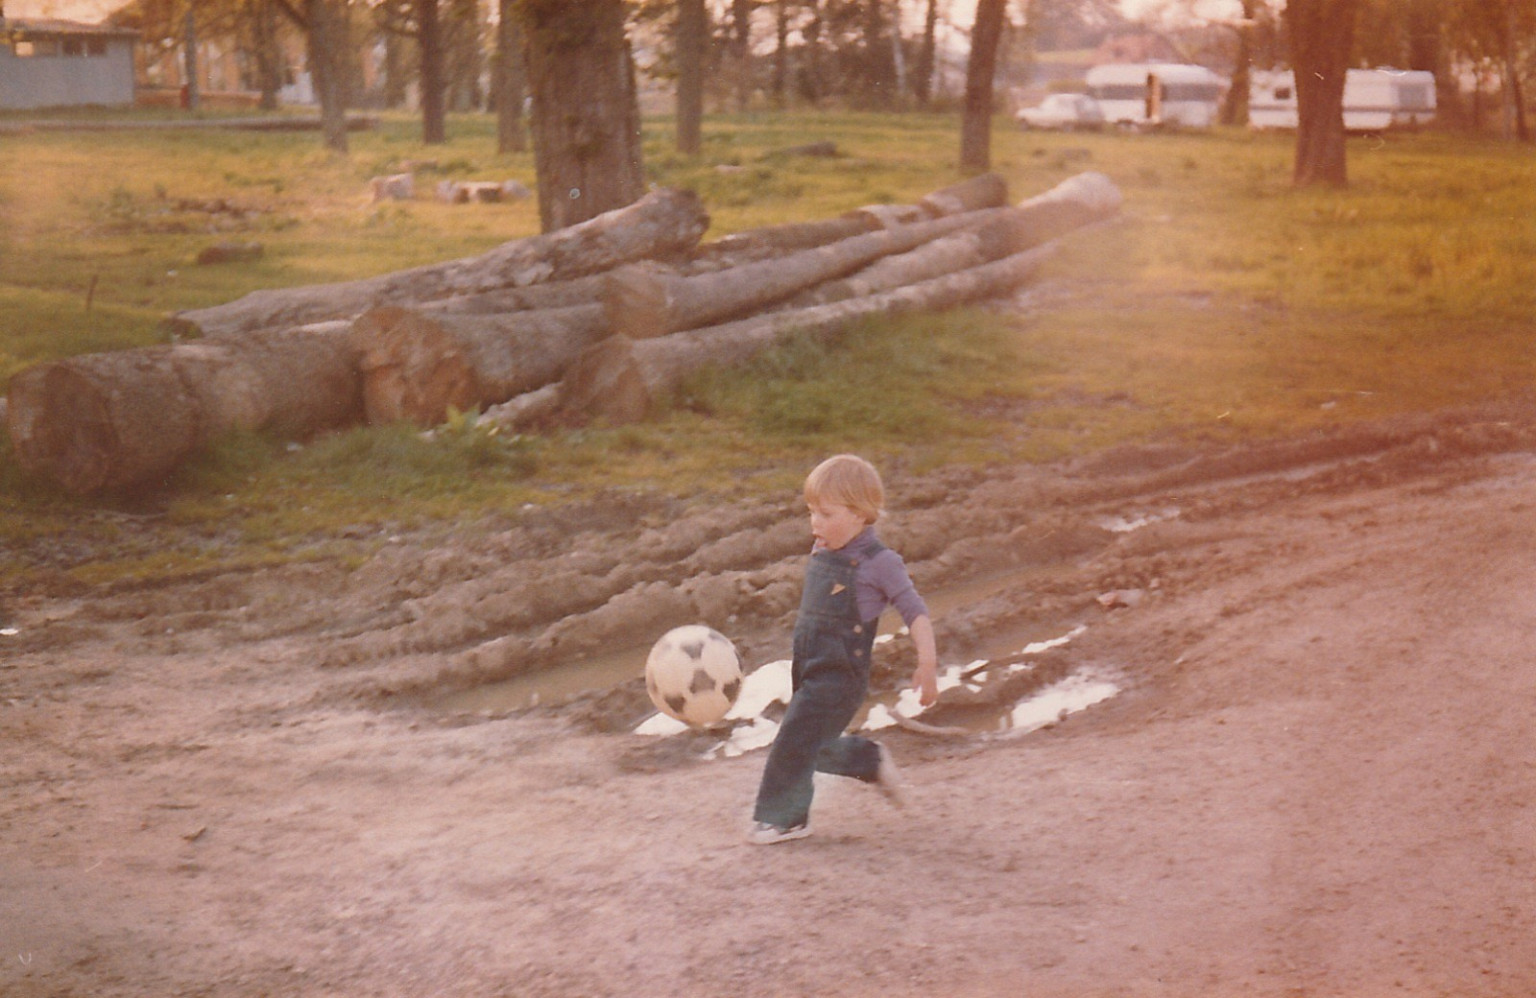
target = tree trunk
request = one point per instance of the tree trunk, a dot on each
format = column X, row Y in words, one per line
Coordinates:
column 780, row 85
column 981, row 67
column 741, row 52
column 464, row 59
column 429, row 36
column 692, row 32
column 324, row 44
column 119, row 421
column 265, row 52
column 812, row 87
column 397, row 52
column 586, row 119
column 922, row 79
column 1514, row 96
column 511, row 82
column 189, row 53
column 418, row 364
column 1322, row 32
column 620, row 379
column 663, row 223
column 1234, row 107
column 643, row 302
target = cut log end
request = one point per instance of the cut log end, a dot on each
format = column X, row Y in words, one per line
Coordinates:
column 637, row 300
column 412, row 368
column 606, row 384
column 101, row 423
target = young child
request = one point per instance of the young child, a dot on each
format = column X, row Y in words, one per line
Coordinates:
column 851, row 579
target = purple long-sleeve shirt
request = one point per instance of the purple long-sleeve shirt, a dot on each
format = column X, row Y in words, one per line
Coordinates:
column 882, row 581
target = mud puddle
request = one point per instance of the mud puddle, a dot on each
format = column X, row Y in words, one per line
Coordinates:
column 747, row 727
column 601, row 672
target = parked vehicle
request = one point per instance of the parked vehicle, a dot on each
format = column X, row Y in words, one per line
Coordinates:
column 1374, row 99
column 1146, row 94
column 1063, row 113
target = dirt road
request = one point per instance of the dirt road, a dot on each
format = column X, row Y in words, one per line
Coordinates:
column 1318, row 779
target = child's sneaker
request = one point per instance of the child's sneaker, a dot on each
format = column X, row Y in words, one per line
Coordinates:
column 765, row 834
column 888, row 780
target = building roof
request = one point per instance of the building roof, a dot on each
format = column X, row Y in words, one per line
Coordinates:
column 43, row 27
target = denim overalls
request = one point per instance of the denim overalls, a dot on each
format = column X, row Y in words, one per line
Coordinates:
column 830, row 677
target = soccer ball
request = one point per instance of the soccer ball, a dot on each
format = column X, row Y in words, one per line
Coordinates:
column 693, row 674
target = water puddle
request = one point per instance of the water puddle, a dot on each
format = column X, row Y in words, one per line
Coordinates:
column 746, row 727
column 599, row 672
column 1123, row 524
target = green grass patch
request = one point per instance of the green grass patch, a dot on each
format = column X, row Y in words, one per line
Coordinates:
column 1223, row 304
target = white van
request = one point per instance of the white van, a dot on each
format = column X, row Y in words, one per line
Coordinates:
column 1157, row 93
column 1374, row 99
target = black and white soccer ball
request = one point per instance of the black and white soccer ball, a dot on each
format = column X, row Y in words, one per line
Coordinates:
column 693, row 674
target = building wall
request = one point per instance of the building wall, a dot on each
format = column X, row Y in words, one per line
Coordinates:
column 61, row 72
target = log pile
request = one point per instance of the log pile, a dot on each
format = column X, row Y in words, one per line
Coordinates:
column 597, row 321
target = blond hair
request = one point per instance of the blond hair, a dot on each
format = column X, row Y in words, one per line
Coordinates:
column 847, row 480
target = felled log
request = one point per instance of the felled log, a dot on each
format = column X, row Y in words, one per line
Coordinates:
column 644, row 302
column 483, row 191
column 553, row 294
column 986, row 191
column 116, row 421
column 621, row 378
column 818, row 149
column 1077, row 201
column 418, row 364
column 662, row 223
column 395, row 187
column 230, row 253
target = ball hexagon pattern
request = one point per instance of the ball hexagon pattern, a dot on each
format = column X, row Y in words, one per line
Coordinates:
column 693, row 674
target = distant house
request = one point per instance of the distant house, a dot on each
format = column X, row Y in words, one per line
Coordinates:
column 48, row 63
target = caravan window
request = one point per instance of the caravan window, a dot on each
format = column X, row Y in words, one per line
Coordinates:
column 1414, row 96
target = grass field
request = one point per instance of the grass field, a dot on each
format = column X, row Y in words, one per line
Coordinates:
column 1223, row 305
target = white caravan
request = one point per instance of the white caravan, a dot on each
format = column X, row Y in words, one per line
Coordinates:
column 1156, row 93
column 1374, row 99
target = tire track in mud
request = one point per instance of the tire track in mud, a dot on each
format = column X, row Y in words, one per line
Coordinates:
column 1008, row 553
column 1011, row 555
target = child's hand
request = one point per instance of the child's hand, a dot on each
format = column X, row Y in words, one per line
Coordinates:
column 926, row 681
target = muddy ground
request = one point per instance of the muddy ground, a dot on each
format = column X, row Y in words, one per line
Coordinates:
column 1318, row 779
